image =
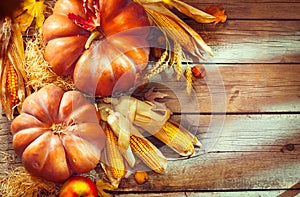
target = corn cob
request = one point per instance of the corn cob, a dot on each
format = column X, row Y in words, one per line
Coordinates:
column 13, row 77
column 148, row 153
column 12, row 85
column 114, row 166
column 173, row 137
column 191, row 137
column 142, row 115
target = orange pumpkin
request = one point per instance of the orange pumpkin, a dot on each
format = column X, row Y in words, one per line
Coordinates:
column 57, row 134
column 102, row 43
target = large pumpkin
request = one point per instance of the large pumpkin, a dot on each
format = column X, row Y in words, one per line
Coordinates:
column 112, row 61
column 57, row 134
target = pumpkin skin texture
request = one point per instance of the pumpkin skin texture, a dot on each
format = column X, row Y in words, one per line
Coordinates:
column 57, row 134
column 113, row 60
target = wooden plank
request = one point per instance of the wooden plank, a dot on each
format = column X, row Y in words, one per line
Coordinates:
column 4, row 143
column 226, row 171
column 209, row 194
column 252, row 41
column 247, row 9
column 252, row 152
column 263, row 153
column 234, row 88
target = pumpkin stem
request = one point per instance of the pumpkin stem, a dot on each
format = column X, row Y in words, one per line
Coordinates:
column 94, row 35
column 57, row 129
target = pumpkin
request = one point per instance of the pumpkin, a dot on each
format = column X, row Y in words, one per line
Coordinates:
column 57, row 134
column 101, row 43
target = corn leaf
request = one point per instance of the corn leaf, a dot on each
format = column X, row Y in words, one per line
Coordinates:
column 192, row 12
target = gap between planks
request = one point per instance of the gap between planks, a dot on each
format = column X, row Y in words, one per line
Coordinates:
column 234, row 89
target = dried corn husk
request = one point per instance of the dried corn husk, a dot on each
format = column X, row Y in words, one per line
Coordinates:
column 190, row 11
column 156, row 122
column 112, row 161
column 140, row 113
column 12, row 60
column 121, row 128
column 129, row 136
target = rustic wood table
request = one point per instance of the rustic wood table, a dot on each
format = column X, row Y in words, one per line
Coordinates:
column 246, row 110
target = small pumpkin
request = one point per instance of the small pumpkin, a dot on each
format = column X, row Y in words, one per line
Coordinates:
column 102, row 43
column 57, row 134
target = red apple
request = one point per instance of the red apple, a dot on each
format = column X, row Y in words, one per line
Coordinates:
column 78, row 186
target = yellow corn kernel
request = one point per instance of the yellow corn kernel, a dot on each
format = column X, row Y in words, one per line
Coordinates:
column 148, row 153
column 192, row 137
column 12, row 85
column 115, row 162
column 173, row 137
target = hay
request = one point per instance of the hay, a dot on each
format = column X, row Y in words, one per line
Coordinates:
column 19, row 182
column 38, row 69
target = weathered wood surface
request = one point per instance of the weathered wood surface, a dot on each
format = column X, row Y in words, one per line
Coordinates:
column 253, row 41
column 253, row 152
column 279, row 193
column 248, row 105
column 256, row 53
column 248, row 9
column 232, row 88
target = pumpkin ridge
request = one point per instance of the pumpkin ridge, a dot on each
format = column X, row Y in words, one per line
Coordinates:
column 24, row 137
column 112, row 17
column 70, row 142
column 32, row 159
column 77, row 153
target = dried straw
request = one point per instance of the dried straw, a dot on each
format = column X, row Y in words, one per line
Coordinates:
column 38, row 69
column 19, row 182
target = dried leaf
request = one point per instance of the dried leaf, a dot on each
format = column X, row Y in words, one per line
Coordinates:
column 102, row 187
column 29, row 10
column 217, row 12
column 150, row 95
column 190, row 11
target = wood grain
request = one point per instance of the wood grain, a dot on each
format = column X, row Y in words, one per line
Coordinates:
column 247, row 9
column 262, row 154
column 291, row 193
column 231, row 88
column 246, row 111
column 252, row 41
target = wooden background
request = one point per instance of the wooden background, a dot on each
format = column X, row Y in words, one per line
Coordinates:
column 248, row 107
column 257, row 56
